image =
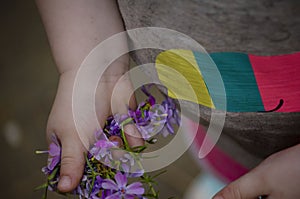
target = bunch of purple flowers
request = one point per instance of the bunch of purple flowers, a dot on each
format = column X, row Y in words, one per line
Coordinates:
column 109, row 168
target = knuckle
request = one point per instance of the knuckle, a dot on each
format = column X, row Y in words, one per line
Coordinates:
column 68, row 160
column 231, row 192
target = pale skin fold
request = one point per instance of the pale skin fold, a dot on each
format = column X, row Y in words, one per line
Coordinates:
column 74, row 28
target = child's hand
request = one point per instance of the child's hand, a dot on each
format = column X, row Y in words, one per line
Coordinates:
column 276, row 177
column 62, row 124
column 74, row 28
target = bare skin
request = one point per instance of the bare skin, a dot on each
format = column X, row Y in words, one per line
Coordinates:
column 277, row 177
column 74, row 28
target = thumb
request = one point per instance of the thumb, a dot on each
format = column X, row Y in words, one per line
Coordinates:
column 72, row 164
column 249, row 186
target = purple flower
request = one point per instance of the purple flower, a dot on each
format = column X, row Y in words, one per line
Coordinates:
column 172, row 118
column 151, row 118
column 151, row 99
column 127, row 158
column 141, row 114
column 97, row 181
column 90, row 192
column 121, row 189
column 113, row 124
column 129, row 174
column 102, row 148
column 158, row 117
column 54, row 153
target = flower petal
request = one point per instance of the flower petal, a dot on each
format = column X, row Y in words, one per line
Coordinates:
column 125, row 168
column 110, row 184
column 129, row 196
column 137, row 173
column 121, row 179
column 135, row 188
column 54, row 150
column 116, row 195
column 53, row 162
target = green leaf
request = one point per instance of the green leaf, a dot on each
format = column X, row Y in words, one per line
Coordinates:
column 138, row 149
column 88, row 162
column 53, row 174
column 45, row 185
column 127, row 121
column 45, row 194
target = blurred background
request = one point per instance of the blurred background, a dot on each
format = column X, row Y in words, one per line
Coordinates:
column 29, row 79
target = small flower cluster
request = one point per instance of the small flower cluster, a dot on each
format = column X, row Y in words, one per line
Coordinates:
column 109, row 165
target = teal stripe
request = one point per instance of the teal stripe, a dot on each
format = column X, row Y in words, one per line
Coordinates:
column 242, row 93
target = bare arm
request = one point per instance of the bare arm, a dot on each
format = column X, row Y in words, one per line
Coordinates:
column 74, row 28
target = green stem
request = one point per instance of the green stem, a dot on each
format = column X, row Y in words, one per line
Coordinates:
column 126, row 145
column 45, row 193
column 152, row 189
column 127, row 121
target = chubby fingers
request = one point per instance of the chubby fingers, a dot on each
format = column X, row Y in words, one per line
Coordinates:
column 72, row 163
column 133, row 136
column 249, row 186
column 121, row 96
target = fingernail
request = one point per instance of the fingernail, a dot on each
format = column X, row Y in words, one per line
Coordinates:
column 64, row 183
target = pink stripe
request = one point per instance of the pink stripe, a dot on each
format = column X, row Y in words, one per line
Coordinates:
column 278, row 77
column 222, row 164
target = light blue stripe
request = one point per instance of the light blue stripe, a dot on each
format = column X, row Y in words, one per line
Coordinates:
column 242, row 94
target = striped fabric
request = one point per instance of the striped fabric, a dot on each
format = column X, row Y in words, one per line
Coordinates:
column 252, row 83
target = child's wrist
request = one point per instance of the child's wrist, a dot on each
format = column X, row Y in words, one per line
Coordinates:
column 111, row 74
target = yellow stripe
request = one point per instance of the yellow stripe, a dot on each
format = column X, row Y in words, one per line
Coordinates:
column 183, row 61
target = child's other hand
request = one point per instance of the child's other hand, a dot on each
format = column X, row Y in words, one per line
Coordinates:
column 62, row 124
column 277, row 177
